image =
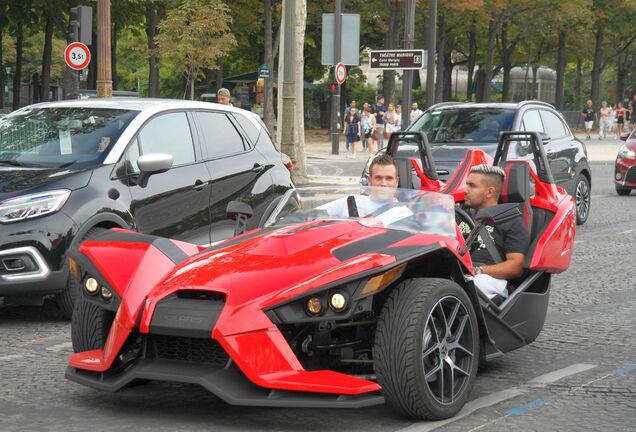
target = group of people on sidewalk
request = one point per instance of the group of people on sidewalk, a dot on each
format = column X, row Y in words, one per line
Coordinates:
column 611, row 119
column 372, row 123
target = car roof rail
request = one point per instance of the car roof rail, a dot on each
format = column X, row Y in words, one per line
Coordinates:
column 535, row 102
column 443, row 104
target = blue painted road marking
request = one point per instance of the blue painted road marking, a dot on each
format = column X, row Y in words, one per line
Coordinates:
column 625, row 370
column 521, row 410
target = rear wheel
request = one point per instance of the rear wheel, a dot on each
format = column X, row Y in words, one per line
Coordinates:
column 67, row 298
column 622, row 191
column 582, row 199
column 427, row 348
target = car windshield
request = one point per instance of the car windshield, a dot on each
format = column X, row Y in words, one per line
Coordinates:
column 60, row 137
column 460, row 125
column 410, row 210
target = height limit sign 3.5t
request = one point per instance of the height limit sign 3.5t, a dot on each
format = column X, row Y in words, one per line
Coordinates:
column 77, row 56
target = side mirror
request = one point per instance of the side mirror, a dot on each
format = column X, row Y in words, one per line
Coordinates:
column 152, row 163
column 545, row 137
column 239, row 212
column 624, row 136
column 498, row 213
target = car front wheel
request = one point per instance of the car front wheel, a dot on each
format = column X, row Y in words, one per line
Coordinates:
column 427, row 348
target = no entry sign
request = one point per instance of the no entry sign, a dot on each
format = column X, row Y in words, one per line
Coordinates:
column 341, row 73
column 77, row 55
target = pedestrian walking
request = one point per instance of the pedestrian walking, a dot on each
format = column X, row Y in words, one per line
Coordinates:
column 389, row 121
column 379, row 109
column 604, row 123
column 620, row 119
column 589, row 116
column 415, row 112
column 353, row 130
column 352, row 105
column 368, row 125
column 398, row 118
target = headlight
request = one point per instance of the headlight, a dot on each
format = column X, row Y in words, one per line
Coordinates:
column 626, row 153
column 34, row 205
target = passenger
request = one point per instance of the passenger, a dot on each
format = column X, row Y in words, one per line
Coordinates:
column 382, row 174
column 511, row 238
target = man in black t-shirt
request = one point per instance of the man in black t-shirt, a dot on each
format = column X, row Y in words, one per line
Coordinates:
column 379, row 109
column 511, row 238
column 589, row 116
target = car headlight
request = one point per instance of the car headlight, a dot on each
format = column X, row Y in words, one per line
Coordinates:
column 626, row 153
column 33, row 205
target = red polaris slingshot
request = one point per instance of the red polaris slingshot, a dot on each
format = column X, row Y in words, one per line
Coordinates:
column 327, row 305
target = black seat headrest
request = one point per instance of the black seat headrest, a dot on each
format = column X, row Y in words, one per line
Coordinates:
column 516, row 186
column 408, row 179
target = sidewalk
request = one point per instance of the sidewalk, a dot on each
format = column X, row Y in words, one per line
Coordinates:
column 318, row 145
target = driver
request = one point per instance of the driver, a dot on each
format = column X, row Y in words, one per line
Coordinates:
column 511, row 238
column 382, row 174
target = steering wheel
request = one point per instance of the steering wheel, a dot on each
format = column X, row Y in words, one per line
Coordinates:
column 462, row 215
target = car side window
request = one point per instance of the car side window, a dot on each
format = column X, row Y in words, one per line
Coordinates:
column 220, row 135
column 168, row 133
column 248, row 127
column 531, row 122
column 553, row 125
column 132, row 154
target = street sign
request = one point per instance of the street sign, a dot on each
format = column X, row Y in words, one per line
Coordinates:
column 263, row 71
column 77, row 55
column 398, row 59
column 341, row 73
column 349, row 42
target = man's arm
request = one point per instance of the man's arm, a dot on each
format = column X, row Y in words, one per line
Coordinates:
column 511, row 268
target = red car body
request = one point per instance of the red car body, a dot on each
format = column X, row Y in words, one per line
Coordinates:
column 625, row 165
column 258, row 284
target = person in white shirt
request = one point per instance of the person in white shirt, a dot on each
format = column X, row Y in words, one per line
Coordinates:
column 415, row 112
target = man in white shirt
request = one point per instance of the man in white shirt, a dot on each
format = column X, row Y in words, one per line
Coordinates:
column 415, row 112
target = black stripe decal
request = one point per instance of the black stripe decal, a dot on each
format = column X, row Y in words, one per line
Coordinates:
column 169, row 249
column 370, row 244
column 129, row 237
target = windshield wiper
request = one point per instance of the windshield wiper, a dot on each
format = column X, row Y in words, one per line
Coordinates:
column 11, row 162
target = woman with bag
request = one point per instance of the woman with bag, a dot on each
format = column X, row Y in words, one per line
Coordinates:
column 368, row 128
column 354, row 130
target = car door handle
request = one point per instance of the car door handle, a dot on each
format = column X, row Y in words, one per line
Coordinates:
column 199, row 185
column 257, row 167
column 549, row 152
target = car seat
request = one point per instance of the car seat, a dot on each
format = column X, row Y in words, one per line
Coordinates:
column 517, row 189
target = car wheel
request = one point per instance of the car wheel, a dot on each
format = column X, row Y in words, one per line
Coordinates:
column 66, row 299
column 90, row 326
column 582, row 199
column 623, row 191
column 427, row 348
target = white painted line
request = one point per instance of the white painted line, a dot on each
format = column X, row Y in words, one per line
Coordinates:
column 579, row 241
column 551, row 377
column 11, row 357
column 60, row 347
column 628, row 231
column 468, row 409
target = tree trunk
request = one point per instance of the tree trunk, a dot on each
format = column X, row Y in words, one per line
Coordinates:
column 621, row 75
column 153, row 61
column 17, row 76
column 472, row 58
column 441, row 48
column 300, row 166
column 113, row 54
column 560, row 70
column 490, row 60
column 597, row 68
column 447, row 93
column 268, row 106
column 506, row 63
column 480, row 77
column 46, row 57
column 1, row 71
column 577, row 85
column 535, row 72
column 391, row 42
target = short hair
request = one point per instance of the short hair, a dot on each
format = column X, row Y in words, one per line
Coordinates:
column 382, row 160
column 379, row 97
column 223, row 92
column 493, row 175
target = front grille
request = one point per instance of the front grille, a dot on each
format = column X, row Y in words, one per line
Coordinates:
column 190, row 350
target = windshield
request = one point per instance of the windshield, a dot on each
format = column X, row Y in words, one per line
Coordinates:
column 60, row 137
column 464, row 125
column 402, row 209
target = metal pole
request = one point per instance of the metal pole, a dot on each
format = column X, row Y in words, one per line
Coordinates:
column 407, row 77
column 104, row 71
column 335, row 97
column 432, row 40
column 289, row 80
column 72, row 76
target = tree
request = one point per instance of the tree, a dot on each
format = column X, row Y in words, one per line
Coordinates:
column 194, row 35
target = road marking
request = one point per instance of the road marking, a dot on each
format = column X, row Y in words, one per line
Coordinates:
column 628, row 231
column 521, row 410
column 495, row 398
column 625, row 370
column 549, row 378
column 60, row 347
column 468, row 409
column 11, row 357
column 579, row 241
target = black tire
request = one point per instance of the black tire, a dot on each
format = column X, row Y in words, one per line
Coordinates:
column 582, row 199
column 410, row 360
column 67, row 298
column 623, row 191
column 90, row 326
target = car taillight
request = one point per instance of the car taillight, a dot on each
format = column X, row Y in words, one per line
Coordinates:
column 288, row 162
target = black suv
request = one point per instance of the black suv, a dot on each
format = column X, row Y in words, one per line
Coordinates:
column 452, row 128
column 163, row 167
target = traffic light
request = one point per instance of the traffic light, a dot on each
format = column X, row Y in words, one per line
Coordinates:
column 333, row 88
column 82, row 24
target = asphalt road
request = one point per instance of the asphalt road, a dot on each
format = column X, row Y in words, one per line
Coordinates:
column 579, row 375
